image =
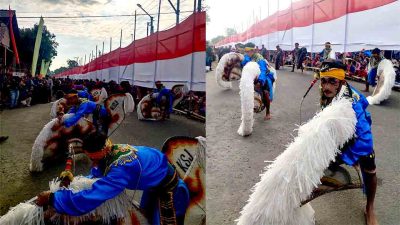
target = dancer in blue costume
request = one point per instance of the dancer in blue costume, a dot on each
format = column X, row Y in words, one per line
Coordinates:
column 373, row 69
column 360, row 149
column 121, row 167
column 265, row 80
column 81, row 107
column 85, row 94
column 163, row 92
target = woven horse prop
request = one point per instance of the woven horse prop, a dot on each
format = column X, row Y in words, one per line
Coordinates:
column 228, row 70
column 386, row 79
column 187, row 154
column 99, row 96
column 52, row 142
column 148, row 109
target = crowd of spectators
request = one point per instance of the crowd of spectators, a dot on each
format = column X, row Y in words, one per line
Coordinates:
column 357, row 62
column 27, row 90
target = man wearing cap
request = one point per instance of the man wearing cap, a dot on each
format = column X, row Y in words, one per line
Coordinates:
column 373, row 68
column 264, row 82
column 359, row 150
column 119, row 167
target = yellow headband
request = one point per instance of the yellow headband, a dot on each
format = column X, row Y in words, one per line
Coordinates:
column 336, row 73
column 248, row 49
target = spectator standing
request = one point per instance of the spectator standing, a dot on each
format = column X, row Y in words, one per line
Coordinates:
column 279, row 57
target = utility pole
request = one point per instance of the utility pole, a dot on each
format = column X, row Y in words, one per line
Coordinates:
column 176, row 10
column 151, row 18
column 134, row 29
column 120, row 40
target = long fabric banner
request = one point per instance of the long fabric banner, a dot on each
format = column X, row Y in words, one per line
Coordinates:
column 37, row 47
column 350, row 25
column 174, row 56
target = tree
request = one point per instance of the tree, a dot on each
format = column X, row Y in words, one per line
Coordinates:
column 26, row 45
column 230, row 31
column 72, row 63
column 216, row 39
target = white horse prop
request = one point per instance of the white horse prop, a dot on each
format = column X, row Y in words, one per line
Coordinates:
column 386, row 79
column 228, row 70
column 148, row 109
column 51, row 143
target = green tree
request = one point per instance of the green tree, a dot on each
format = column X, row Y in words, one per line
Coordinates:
column 216, row 39
column 72, row 63
column 26, row 44
column 230, row 31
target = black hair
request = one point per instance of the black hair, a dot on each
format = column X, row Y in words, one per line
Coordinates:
column 376, row 51
column 332, row 64
column 94, row 142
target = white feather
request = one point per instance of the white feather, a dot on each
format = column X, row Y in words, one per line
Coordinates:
column 295, row 173
column 45, row 134
column 250, row 72
column 388, row 77
column 219, row 71
column 31, row 214
column 23, row 214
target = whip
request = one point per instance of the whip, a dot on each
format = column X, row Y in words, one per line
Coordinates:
column 304, row 96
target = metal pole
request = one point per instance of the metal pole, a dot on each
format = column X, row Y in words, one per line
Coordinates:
column 92, row 55
column 312, row 30
column 346, row 29
column 194, row 6
column 96, row 51
column 120, row 40
column 291, row 21
column 152, row 25
column 198, row 5
column 269, row 19
column 147, row 29
column 102, row 51
column 110, row 43
column 134, row 29
column 85, row 60
column 158, row 15
column 178, row 8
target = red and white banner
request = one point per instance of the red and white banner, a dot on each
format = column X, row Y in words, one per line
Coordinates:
column 174, row 56
column 350, row 25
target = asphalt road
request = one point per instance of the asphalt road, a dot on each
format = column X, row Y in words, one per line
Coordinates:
column 234, row 162
column 24, row 124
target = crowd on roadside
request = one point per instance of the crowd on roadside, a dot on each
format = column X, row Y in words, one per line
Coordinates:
column 357, row 62
column 25, row 91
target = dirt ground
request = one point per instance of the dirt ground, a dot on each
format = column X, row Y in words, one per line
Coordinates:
column 22, row 126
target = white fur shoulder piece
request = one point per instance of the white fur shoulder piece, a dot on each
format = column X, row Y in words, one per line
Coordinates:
column 388, row 77
column 291, row 178
column 250, row 72
column 30, row 214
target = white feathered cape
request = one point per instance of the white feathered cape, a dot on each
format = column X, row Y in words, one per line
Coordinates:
column 295, row 173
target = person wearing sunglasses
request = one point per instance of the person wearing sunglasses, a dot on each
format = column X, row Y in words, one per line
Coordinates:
column 359, row 150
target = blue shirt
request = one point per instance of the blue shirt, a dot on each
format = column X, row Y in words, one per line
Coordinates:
column 145, row 172
column 363, row 143
column 85, row 94
column 265, row 73
column 83, row 109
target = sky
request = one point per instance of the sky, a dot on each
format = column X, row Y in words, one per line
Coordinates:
column 79, row 36
column 240, row 15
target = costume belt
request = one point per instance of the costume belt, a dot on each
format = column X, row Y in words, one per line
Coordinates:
column 166, row 197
